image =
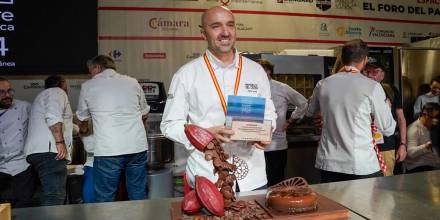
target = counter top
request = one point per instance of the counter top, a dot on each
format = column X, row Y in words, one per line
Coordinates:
column 408, row 196
column 411, row 196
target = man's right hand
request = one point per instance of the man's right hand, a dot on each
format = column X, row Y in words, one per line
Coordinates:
column 428, row 145
column 62, row 151
column 318, row 122
column 221, row 133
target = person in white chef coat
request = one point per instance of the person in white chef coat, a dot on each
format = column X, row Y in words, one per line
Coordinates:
column 349, row 103
column 16, row 176
column 116, row 105
column 49, row 139
column 283, row 96
column 193, row 98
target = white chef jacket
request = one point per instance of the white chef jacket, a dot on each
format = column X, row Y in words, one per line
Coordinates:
column 13, row 132
column 346, row 101
column 283, row 96
column 116, row 104
column 49, row 107
column 192, row 98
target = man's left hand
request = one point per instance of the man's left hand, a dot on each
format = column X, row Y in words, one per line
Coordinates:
column 260, row 144
column 401, row 153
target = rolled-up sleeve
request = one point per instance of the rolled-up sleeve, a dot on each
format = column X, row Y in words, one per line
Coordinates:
column 269, row 113
column 313, row 105
column 382, row 112
column 144, row 107
column 298, row 100
column 53, row 107
column 176, row 112
column 82, row 112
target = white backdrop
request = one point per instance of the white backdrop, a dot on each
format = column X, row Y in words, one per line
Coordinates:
column 151, row 39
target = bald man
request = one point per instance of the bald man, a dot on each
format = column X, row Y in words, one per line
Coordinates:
column 193, row 98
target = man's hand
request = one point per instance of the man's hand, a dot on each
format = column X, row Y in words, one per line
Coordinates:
column 84, row 128
column 62, row 151
column 317, row 121
column 428, row 145
column 286, row 125
column 388, row 102
column 401, row 153
column 260, row 144
column 221, row 133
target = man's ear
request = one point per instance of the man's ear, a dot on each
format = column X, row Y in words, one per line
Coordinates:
column 203, row 32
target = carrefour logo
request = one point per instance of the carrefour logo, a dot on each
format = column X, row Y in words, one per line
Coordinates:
column 115, row 54
column 167, row 24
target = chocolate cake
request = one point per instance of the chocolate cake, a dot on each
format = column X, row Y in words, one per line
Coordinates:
column 292, row 196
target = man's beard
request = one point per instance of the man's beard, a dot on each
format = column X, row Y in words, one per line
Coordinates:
column 5, row 103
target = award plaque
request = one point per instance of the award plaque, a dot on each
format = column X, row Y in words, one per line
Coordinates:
column 245, row 116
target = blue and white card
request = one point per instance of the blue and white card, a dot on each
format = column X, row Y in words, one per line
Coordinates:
column 246, row 108
column 245, row 115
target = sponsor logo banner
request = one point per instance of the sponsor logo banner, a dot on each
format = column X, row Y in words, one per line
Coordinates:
column 345, row 4
column 430, row 2
column 294, row 1
column 115, row 54
column 381, row 33
column 409, row 34
column 324, row 5
column 349, row 31
column 228, row 2
column 167, row 24
column 244, row 27
column 323, row 30
column 155, row 56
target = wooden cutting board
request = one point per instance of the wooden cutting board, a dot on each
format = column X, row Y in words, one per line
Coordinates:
column 327, row 209
column 5, row 211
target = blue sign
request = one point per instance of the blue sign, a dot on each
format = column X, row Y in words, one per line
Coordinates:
column 246, row 108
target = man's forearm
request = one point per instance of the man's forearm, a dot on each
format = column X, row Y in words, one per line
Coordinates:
column 144, row 119
column 57, row 131
column 401, row 121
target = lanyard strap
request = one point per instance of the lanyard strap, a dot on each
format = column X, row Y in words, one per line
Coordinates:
column 217, row 86
column 350, row 69
column 382, row 164
column 4, row 112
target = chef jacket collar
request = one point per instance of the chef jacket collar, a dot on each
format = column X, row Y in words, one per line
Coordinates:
column 352, row 68
column 107, row 73
column 216, row 63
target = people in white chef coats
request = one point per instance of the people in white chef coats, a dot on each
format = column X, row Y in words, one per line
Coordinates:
column 193, row 98
column 16, row 176
column 349, row 103
column 283, row 96
column 49, row 139
column 116, row 105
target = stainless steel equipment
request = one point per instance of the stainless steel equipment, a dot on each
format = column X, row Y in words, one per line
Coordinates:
column 160, row 149
column 160, row 152
column 301, row 73
column 154, row 94
column 160, row 155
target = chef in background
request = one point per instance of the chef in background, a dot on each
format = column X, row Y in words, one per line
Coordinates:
column 282, row 96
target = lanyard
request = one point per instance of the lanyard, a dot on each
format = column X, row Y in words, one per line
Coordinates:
column 350, row 69
column 217, row 86
column 4, row 112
